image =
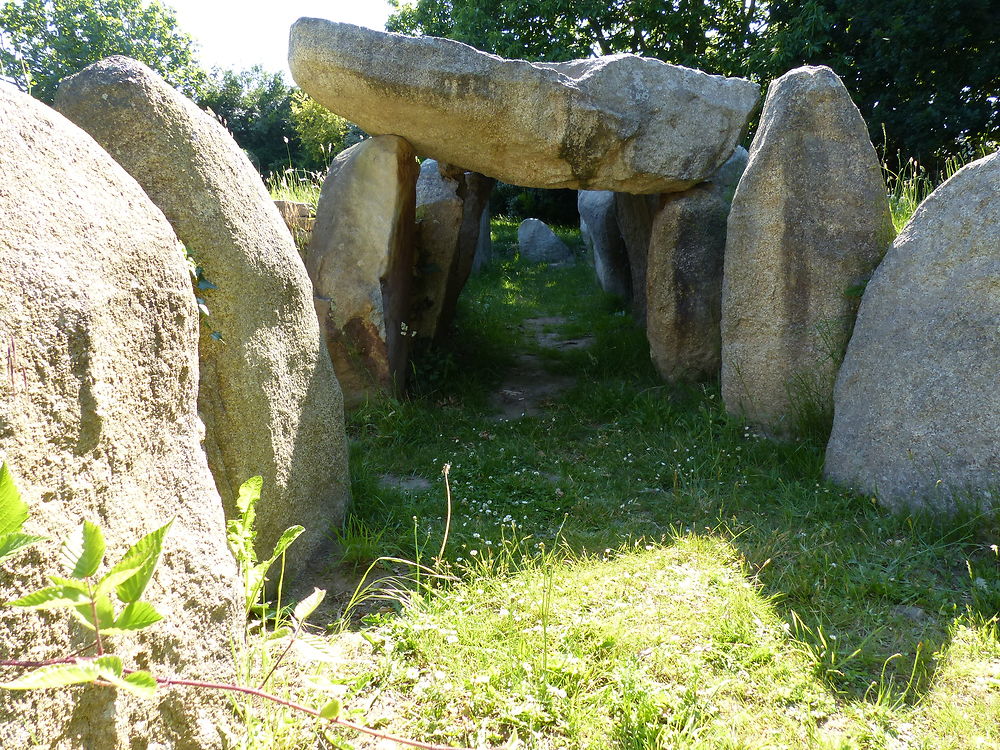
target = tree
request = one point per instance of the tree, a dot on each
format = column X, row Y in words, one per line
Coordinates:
column 713, row 35
column 256, row 107
column 43, row 41
column 321, row 133
column 926, row 74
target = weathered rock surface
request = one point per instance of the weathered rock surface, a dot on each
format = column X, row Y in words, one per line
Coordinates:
column 268, row 395
column 634, row 214
column 621, row 122
column 684, row 276
column 360, row 261
column 599, row 227
column 98, row 421
column 300, row 219
column 917, row 415
column 539, row 244
column 809, row 222
column 440, row 214
column 475, row 190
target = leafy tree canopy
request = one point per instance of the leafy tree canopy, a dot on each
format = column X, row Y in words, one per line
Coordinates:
column 926, row 74
column 711, row 35
column 43, row 41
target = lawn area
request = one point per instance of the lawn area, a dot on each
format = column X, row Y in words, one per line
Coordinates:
column 632, row 567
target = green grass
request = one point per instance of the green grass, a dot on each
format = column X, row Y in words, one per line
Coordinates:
column 637, row 569
column 296, row 185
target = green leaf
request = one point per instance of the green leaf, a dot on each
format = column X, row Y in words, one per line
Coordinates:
column 84, row 551
column 55, row 676
column 135, row 616
column 308, row 605
column 11, row 544
column 331, row 710
column 139, row 683
column 290, row 535
column 249, row 494
column 13, row 510
column 53, row 597
column 105, row 613
column 142, row 557
column 109, row 665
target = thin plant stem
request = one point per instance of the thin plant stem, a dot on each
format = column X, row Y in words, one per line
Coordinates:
column 447, row 520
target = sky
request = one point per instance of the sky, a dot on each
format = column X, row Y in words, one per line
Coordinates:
column 240, row 33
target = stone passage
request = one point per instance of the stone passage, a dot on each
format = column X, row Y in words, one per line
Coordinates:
column 809, row 222
column 360, row 261
column 620, row 122
column 917, row 404
column 268, row 395
column 98, row 421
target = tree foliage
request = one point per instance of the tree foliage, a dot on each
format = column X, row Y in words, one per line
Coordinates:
column 710, row 35
column 321, row 133
column 256, row 107
column 43, row 41
column 926, row 74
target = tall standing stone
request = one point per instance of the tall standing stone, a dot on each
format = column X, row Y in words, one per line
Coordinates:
column 360, row 261
column 599, row 227
column 98, row 421
column 475, row 190
column 809, row 222
column 484, row 243
column 634, row 214
column 917, row 417
column 440, row 213
column 684, row 276
column 268, row 396
column 620, row 122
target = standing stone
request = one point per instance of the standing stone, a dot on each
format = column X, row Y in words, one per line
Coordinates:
column 300, row 219
column 268, row 395
column 475, row 190
column 360, row 261
column 684, row 276
column 809, row 222
column 440, row 214
column 484, row 244
column 599, row 228
column 622, row 122
column 634, row 214
column 538, row 244
column 98, row 421
column 917, row 415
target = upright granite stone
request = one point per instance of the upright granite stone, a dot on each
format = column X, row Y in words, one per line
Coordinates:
column 621, row 122
column 917, row 403
column 360, row 261
column 440, row 214
column 475, row 190
column 634, row 214
column 809, row 223
column 599, row 227
column 268, row 396
column 538, row 244
column 98, row 421
column 684, row 276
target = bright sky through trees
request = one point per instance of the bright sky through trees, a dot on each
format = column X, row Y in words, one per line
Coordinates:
column 237, row 34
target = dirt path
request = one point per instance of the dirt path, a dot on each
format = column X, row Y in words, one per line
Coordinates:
column 529, row 386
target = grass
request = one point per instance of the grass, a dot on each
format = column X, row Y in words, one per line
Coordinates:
column 637, row 569
column 296, row 185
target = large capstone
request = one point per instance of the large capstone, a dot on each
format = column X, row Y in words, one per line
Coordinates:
column 620, row 122
column 99, row 422
column 360, row 261
column 684, row 276
column 809, row 223
column 917, row 402
column 268, row 395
